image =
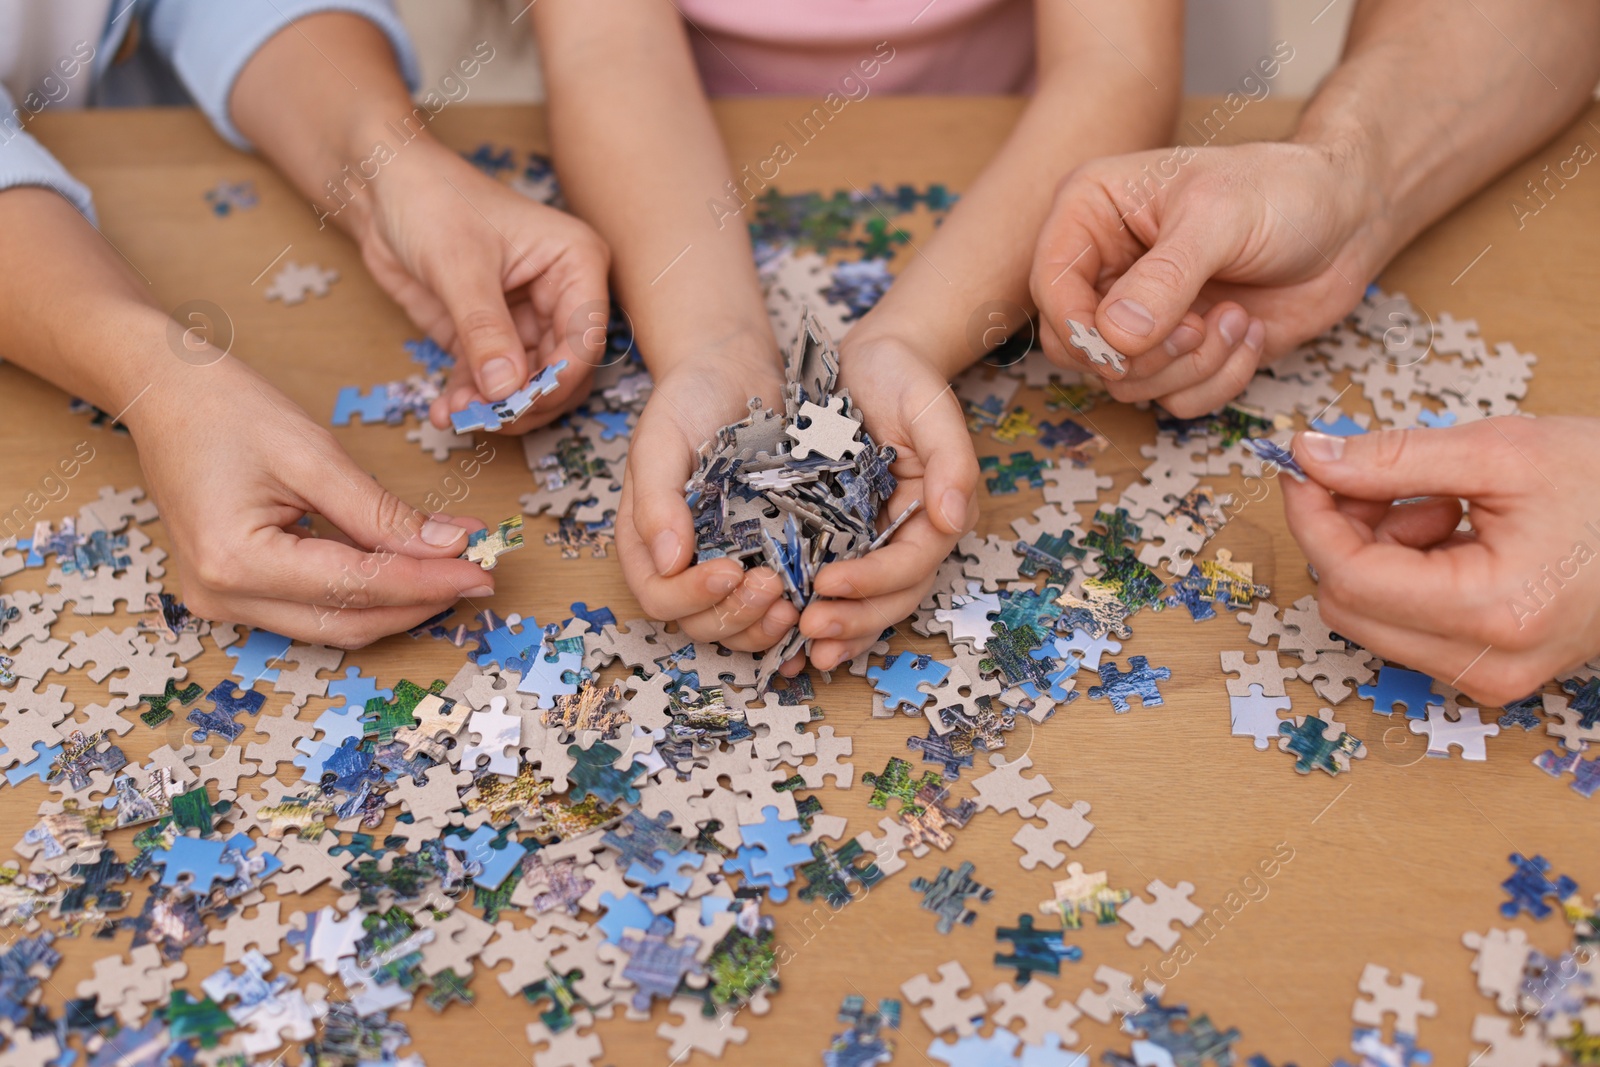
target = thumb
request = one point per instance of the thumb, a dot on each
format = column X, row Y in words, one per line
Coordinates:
column 1466, row 461
column 1151, row 298
column 376, row 519
column 657, row 470
column 950, row 478
column 486, row 338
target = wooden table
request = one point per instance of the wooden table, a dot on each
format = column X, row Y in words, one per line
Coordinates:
column 1391, row 864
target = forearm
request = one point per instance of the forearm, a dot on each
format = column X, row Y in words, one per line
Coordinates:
column 1092, row 100
column 1434, row 98
column 324, row 101
column 72, row 313
column 640, row 158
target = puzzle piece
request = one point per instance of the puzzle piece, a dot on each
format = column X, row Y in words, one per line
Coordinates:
column 1033, row 951
column 1256, row 715
column 1402, row 999
column 946, row 896
column 902, row 676
column 254, row 659
column 1067, row 826
column 486, row 546
column 1468, row 732
column 294, row 282
column 1139, row 680
column 1152, row 920
column 492, row 416
column 1095, row 348
column 1530, row 884
column 1021, row 467
column 947, row 1009
column 1399, row 688
column 1319, row 743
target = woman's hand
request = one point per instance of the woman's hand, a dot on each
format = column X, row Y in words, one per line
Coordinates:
column 234, row 465
column 1495, row 611
column 506, row 284
column 904, row 402
column 1200, row 263
column 717, row 600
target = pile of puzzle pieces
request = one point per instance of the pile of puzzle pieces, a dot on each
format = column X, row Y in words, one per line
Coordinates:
column 795, row 490
column 600, row 816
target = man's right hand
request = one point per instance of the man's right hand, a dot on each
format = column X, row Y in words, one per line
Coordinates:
column 1200, row 263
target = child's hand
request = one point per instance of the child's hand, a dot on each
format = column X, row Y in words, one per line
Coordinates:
column 233, row 471
column 905, row 403
column 503, row 282
column 1496, row 611
column 716, row 600
column 1239, row 255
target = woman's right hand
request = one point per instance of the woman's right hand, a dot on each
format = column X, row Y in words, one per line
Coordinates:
column 234, row 465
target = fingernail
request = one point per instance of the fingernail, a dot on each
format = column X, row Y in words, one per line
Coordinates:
column 477, row 591
column 1255, row 334
column 953, row 506
column 665, row 550
column 1325, row 447
column 722, row 584
column 1132, row 316
column 1183, row 339
column 1232, row 325
column 441, row 534
column 497, row 377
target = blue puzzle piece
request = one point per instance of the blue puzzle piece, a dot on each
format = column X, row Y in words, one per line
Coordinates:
column 1343, row 426
column 36, row 767
column 1397, row 688
column 675, row 871
column 779, row 855
column 355, row 690
column 597, row 618
column 740, row 863
column 901, row 675
column 195, row 858
column 1585, row 693
column 1064, row 670
column 480, row 416
column 502, row 644
column 1436, row 420
column 1139, row 680
column 254, row 657
column 428, row 353
column 494, row 863
column 622, row 913
column 225, row 708
column 613, row 424
column 372, row 406
column 1275, row 454
column 1529, row 886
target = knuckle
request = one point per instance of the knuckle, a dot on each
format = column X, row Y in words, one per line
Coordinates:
column 480, row 330
column 395, row 517
column 1163, row 269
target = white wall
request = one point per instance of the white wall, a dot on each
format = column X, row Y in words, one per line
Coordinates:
column 1226, row 37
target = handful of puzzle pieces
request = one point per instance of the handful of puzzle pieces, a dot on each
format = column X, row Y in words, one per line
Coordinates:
column 795, row 491
column 606, row 820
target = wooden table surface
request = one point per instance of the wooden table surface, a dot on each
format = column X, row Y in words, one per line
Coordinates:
column 1391, row 864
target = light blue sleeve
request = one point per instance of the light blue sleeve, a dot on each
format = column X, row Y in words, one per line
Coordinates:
column 24, row 161
column 208, row 42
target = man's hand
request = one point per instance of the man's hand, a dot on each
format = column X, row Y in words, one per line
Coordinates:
column 1198, row 263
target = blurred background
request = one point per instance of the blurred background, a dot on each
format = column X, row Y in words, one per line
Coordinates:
column 1225, row 38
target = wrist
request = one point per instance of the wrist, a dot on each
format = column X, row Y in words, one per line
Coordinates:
column 1360, row 180
column 871, row 346
column 740, row 352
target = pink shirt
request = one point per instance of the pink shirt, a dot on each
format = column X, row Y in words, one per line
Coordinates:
column 813, row 47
